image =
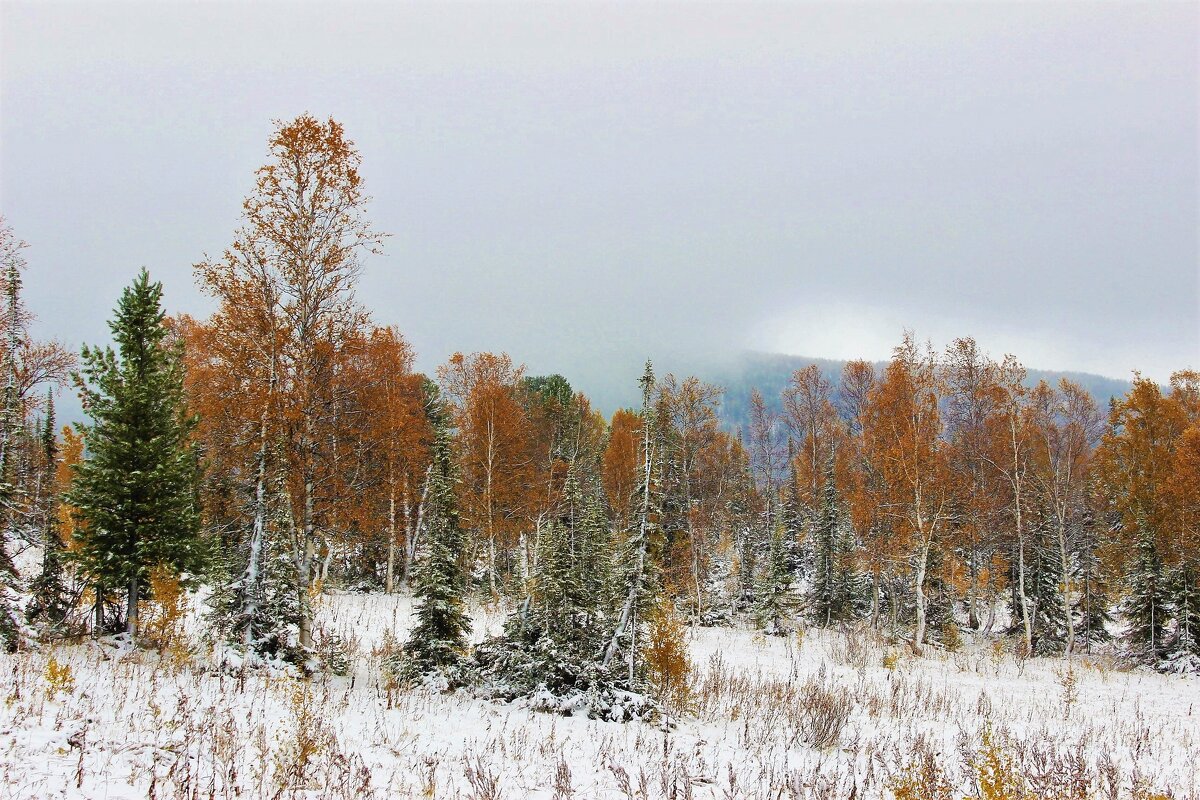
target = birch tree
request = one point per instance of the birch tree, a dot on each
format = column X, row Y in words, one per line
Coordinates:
column 902, row 430
column 287, row 282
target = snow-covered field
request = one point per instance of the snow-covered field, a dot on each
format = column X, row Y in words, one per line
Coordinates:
column 763, row 723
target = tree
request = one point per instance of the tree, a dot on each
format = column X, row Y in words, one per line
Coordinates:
column 495, row 450
column 137, row 490
column 286, row 292
column 394, row 447
column 25, row 364
column 621, row 466
column 775, row 601
column 643, row 546
column 1183, row 493
column 690, row 409
column 766, row 454
column 834, row 589
column 901, row 432
column 971, row 397
column 50, row 603
column 1135, row 464
column 812, row 419
column 1068, row 427
column 1010, row 444
column 438, row 641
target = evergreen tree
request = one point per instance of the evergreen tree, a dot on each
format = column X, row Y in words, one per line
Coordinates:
column 137, row 490
column 835, row 585
column 49, row 604
column 438, row 641
column 940, row 599
column 257, row 610
column 748, row 542
column 1092, row 608
column 1043, row 588
column 775, row 601
column 1185, row 596
column 1145, row 608
column 553, row 644
column 11, row 628
column 644, row 545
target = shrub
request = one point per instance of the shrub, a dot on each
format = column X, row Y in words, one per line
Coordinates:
column 59, row 678
column 163, row 623
column 666, row 654
column 822, row 714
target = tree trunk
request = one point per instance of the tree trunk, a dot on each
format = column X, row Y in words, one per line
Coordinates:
column 1066, row 593
column 629, row 609
column 304, row 566
column 875, row 599
column 257, row 534
column 131, row 616
column 922, row 602
column 391, row 556
column 1026, row 621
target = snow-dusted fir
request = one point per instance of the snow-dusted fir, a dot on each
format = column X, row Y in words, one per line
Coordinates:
column 136, row 492
column 438, row 642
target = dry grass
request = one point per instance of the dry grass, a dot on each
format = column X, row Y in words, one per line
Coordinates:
column 832, row 716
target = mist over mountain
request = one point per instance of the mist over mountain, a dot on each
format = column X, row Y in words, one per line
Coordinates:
column 770, row 373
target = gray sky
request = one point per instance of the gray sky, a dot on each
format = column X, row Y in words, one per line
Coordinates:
column 585, row 185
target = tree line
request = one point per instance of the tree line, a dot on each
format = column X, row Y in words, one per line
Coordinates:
column 285, row 445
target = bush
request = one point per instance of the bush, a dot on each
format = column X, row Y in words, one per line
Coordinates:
column 823, row 713
column 59, row 678
column 666, row 654
column 162, row 624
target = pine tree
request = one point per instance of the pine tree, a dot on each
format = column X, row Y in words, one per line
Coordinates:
column 835, row 585
column 256, row 610
column 775, row 601
column 49, row 604
column 644, row 545
column 748, row 542
column 1145, row 608
column 11, row 629
column 1185, row 596
column 1092, row 606
column 1044, row 583
column 137, row 491
column 438, row 642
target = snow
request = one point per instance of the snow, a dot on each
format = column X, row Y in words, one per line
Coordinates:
column 135, row 725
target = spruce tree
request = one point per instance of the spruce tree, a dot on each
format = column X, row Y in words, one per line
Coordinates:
column 257, row 610
column 775, row 601
column 1185, row 596
column 1092, row 609
column 643, row 550
column 11, row 628
column 1044, row 583
column 438, row 642
column 835, row 586
column 136, row 493
column 49, row 604
column 553, row 644
column 1145, row 607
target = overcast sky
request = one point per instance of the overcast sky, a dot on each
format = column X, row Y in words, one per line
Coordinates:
column 586, row 185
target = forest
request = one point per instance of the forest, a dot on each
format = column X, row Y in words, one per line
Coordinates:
column 239, row 473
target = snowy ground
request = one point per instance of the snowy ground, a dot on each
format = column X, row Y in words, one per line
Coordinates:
column 135, row 726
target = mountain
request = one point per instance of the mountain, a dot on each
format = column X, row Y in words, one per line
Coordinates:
column 771, row 372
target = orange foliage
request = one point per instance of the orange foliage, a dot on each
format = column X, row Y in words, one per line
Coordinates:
column 901, row 438
column 495, row 450
column 621, row 462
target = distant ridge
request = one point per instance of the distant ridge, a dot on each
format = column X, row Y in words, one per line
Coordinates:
column 771, row 372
